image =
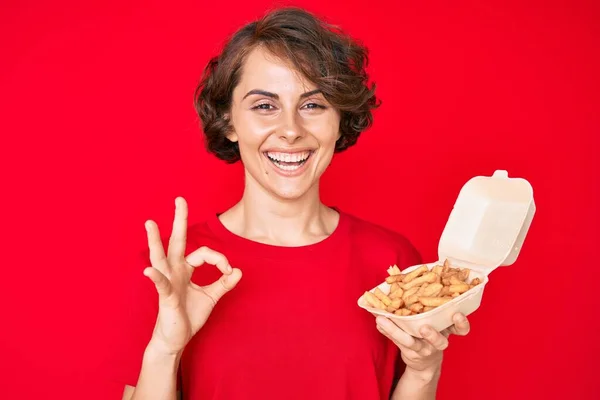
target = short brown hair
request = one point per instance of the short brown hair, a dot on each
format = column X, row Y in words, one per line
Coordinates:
column 326, row 56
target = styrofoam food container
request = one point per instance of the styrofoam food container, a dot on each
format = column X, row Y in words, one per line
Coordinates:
column 486, row 229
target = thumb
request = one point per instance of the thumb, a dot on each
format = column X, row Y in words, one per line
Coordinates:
column 226, row 282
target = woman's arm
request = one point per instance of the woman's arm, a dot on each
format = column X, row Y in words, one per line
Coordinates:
column 422, row 357
column 183, row 307
column 417, row 385
column 158, row 376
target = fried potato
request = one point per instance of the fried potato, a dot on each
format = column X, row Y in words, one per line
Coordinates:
column 416, row 307
column 459, row 288
column 432, row 290
column 464, row 273
column 454, row 280
column 421, row 290
column 410, row 300
column 417, row 272
column 382, row 296
column 445, row 291
column 429, row 277
column 398, row 293
column 394, row 270
column 409, row 292
column 403, row 312
column 433, row 301
column 373, row 301
column 394, row 278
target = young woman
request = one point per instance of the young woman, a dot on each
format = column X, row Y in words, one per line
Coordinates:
column 277, row 318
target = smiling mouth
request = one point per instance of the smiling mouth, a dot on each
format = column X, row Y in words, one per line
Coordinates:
column 288, row 161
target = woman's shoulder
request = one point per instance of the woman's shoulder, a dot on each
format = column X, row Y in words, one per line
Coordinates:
column 368, row 228
column 377, row 237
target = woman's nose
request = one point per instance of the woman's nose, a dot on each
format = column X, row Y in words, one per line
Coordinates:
column 291, row 130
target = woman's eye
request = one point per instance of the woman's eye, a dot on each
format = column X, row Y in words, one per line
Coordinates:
column 263, row 106
column 313, row 106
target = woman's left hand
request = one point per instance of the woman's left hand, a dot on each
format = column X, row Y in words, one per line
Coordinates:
column 422, row 355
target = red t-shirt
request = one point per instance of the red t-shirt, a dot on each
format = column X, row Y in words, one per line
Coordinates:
column 292, row 328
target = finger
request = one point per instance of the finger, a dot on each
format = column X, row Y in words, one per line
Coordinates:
column 217, row 289
column 204, row 254
column 179, row 234
column 163, row 285
column 461, row 325
column 398, row 335
column 436, row 339
column 157, row 251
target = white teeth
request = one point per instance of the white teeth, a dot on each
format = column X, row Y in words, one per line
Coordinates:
column 288, row 157
column 287, row 167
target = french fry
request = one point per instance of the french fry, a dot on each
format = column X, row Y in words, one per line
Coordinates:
column 396, row 293
column 463, row 275
column 432, row 290
column 460, row 288
column 447, row 275
column 417, row 272
column 394, row 270
column 396, row 303
column 416, row 308
column 433, row 301
column 409, row 292
column 403, row 312
column 422, row 288
column 382, row 296
column 454, row 280
column 429, row 277
column 394, row 278
column 410, row 300
column 374, row 301
column 445, row 291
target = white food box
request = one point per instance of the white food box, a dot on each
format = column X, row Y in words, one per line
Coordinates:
column 486, row 229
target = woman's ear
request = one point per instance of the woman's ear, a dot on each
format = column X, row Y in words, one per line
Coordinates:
column 231, row 135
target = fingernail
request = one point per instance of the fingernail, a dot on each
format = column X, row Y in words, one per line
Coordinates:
column 229, row 269
column 426, row 331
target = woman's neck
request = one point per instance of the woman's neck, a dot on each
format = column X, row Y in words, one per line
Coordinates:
column 263, row 217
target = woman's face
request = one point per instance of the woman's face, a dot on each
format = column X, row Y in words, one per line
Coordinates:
column 285, row 128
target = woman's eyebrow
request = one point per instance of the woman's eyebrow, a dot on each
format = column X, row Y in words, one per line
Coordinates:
column 262, row 93
column 308, row 94
column 276, row 96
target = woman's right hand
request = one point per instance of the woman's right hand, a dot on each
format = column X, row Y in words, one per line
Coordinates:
column 184, row 306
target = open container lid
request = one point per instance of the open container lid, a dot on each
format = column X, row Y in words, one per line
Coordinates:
column 488, row 224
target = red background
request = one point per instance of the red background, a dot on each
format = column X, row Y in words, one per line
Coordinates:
column 99, row 134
